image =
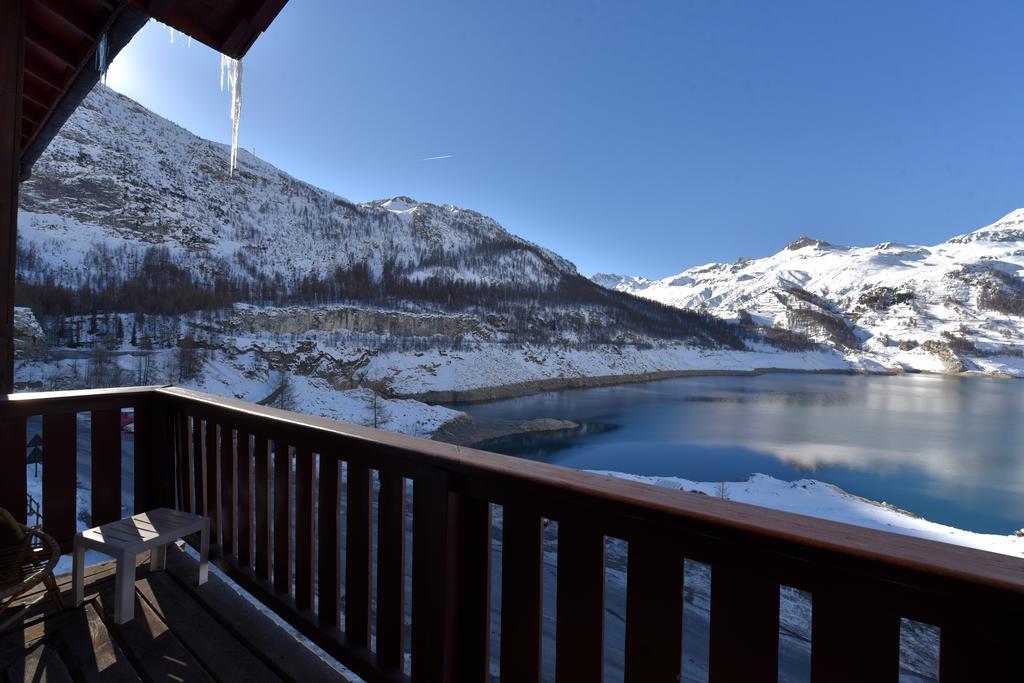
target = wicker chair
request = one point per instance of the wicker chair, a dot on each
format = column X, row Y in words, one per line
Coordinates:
column 24, row 566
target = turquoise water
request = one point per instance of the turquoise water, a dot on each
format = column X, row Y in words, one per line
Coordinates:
column 948, row 449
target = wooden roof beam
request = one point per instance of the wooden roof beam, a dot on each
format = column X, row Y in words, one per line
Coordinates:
column 55, row 52
column 72, row 17
column 46, row 76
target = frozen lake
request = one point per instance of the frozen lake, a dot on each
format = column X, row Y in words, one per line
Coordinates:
column 949, row 449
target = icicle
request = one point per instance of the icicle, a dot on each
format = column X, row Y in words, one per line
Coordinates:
column 172, row 35
column 224, row 62
column 101, row 58
column 235, row 79
column 189, row 41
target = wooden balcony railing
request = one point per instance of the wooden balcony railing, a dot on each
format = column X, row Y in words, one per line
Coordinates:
column 272, row 483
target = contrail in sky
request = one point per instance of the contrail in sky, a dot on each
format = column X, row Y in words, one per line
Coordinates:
column 443, row 156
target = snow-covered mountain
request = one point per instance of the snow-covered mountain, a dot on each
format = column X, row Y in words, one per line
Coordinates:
column 129, row 212
column 952, row 307
column 142, row 260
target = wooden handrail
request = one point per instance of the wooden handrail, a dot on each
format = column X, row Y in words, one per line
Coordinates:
column 554, row 488
column 271, row 481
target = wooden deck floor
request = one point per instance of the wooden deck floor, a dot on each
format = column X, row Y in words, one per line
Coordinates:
column 180, row 633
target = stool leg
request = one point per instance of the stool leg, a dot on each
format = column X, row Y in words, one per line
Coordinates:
column 124, row 590
column 158, row 558
column 53, row 590
column 78, row 574
column 204, row 552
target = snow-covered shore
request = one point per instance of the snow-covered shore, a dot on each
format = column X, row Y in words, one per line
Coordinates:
column 826, row 501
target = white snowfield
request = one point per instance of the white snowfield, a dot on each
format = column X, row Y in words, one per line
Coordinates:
column 969, row 287
column 817, row 499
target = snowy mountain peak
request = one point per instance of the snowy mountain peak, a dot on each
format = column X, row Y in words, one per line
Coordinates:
column 1015, row 217
column 621, row 282
column 804, row 242
column 400, row 204
column 1009, row 228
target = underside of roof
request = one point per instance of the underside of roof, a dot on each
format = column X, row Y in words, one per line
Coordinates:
column 62, row 38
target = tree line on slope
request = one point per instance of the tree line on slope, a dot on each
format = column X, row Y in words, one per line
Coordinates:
column 153, row 281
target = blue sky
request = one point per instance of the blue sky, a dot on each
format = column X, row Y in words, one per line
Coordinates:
column 637, row 138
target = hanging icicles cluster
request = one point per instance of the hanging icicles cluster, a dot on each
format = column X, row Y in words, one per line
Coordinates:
column 101, row 58
column 233, row 68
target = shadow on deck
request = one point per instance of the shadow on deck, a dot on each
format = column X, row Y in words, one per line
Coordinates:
column 180, row 633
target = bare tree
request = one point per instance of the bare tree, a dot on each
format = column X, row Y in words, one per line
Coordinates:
column 285, row 390
column 378, row 410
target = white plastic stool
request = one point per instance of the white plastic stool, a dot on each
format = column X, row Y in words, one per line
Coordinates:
column 126, row 538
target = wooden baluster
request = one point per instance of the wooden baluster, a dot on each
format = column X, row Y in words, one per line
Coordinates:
column 391, row 569
column 184, row 462
column 282, row 518
column 243, row 461
column 262, row 542
column 980, row 645
column 198, row 458
column 469, row 586
column 579, row 635
column 328, row 542
column 105, row 439
column 305, row 485
column 854, row 637
column 358, row 522
column 654, row 611
column 744, row 619
column 227, row 489
column 211, row 462
column 14, row 482
column 522, row 576
column 60, row 509
column 153, row 465
column 432, row 614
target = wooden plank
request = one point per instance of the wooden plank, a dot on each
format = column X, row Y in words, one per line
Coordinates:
column 358, row 523
column 213, row 645
column 227, row 489
column 106, row 466
column 262, row 542
column 211, row 465
column 329, row 542
column 60, row 513
column 979, row 645
column 276, row 647
column 654, row 611
column 522, row 567
column 87, row 648
column 579, row 632
column 41, row 664
column 744, row 618
column 853, row 636
column 305, row 514
column 391, row 570
column 469, row 586
column 432, row 613
column 12, row 46
column 14, row 483
column 282, row 518
column 148, row 641
column 243, row 464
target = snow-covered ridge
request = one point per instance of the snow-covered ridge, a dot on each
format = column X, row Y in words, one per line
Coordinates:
column 118, row 173
column 951, row 307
